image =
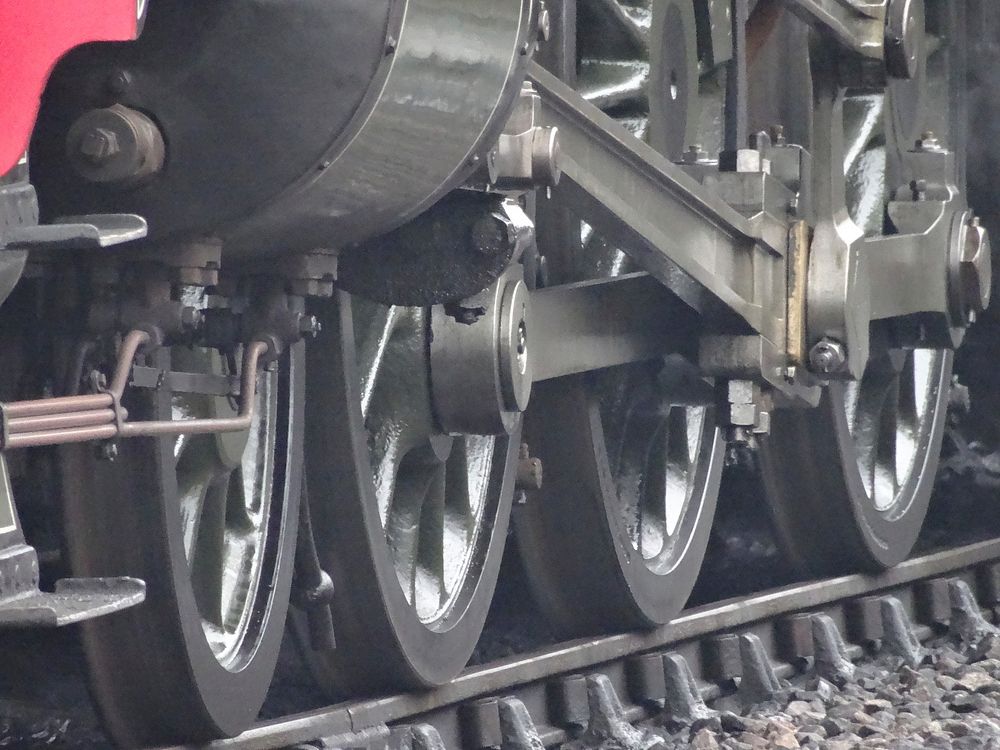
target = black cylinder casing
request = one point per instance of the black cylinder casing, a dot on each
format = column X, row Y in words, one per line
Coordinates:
column 292, row 125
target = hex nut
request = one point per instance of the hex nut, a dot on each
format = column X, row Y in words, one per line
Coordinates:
column 115, row 146
column 99, row 145
column 930, row 143
column 544, row 23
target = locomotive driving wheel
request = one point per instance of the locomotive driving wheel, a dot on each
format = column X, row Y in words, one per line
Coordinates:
column 410, row 521
column 616, row 536
column 849, row 483
column 632, row 455
column 209, row 522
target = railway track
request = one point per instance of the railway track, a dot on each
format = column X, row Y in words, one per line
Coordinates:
column 718, row 643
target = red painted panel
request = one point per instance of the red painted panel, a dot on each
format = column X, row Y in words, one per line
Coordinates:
column 34, row 34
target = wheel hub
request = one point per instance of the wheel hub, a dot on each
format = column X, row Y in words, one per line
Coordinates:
column 481, row 359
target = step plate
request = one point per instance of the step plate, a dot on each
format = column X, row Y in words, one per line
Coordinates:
column 74, row 600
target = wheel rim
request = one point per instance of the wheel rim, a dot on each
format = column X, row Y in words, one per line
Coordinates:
column 205, row 675
column 632, row 456
column 654, row 450
column 886, row 427
column 225, row 488
column 890, row 411
column 411, row 523
column 889, row 417
column 432, row 489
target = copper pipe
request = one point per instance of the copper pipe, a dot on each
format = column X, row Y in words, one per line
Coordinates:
column 126, row 358
column 59, row 437
column 62, row 405
column 248, row 395
column 76, row 419
column 60, row 421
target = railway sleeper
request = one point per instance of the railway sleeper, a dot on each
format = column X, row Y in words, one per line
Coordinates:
column 715, row 659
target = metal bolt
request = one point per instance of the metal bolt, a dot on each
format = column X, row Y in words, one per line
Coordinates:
column 529, row 470
column 108, row 451
column 738, row 435
column 760, row 141
column 309, row 326
column 119, row 82
column 919, row 190
column 115, row 145
column 98, row 145
column 544, row 23
column 930, row 143
column 192, row 318
column 828, row 356
column 695, row 154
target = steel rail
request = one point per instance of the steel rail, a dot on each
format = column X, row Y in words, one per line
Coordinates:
column 549, row 681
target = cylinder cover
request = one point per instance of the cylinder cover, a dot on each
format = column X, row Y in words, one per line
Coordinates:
column 291, row 125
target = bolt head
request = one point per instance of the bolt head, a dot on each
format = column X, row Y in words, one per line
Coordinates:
column 309, row 326
column 99, row 144
column 694, row 154
column 119, row 82
column 976, row 268
column 760, row 141
column 930, row 143
column 192, row 318
column 828, row 357
column 544, row 24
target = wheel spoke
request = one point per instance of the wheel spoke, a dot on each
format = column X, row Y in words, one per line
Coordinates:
column 682, row 452
column 886, row 475
column 399, row 418
column 459, row 485
column 614, row 83
column 374, row 343
column 242, row 543
column 654, row 501
column 208, row 555
column 430, row 590
column 403, row 523
column 196, row 467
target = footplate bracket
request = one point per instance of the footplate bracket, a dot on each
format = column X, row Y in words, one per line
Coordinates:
column 23, row 605
column 74, row 600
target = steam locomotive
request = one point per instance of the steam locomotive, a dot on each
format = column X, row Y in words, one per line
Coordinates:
column 312, row 303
